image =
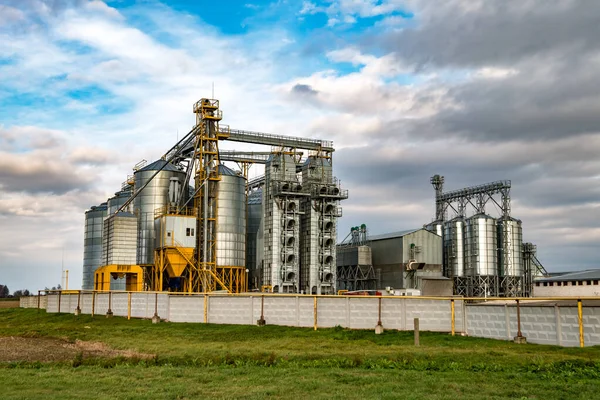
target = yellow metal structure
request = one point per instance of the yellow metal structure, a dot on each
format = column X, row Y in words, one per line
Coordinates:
column 133, row 275
column 207, row 276
column 195, row 263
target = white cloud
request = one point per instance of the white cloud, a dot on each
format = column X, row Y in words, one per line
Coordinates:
column 494, row 73
column 10, row 15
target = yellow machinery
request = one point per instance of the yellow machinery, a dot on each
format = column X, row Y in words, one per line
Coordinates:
column 133, row 275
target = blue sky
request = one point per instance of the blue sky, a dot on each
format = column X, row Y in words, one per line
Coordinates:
column 405, row 88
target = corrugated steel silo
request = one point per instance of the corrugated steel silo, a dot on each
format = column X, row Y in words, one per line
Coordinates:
column 92, row 244
column 153, row 197
column 454, row 246
column 231, row 219
column 436, row 227
column 515, row 249
column 120, row 197
column 481, row 246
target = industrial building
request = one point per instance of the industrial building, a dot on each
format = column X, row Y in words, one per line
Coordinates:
column 189, row 223
column 482, row 254
column 571, row 284
column 398, row 262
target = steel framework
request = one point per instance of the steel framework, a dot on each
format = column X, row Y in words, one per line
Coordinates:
column 478, row 197
column 356, row 277
column 532, row 267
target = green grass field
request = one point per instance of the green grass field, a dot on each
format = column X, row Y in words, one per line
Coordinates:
column 177, row 361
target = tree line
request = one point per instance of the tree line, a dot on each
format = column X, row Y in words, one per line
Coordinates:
column 5, row 292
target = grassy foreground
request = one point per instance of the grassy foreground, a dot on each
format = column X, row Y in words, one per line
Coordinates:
column 223, row 361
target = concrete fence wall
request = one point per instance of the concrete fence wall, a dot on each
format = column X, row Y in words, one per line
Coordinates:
column 347, row 312
column 557, row 325
column 32, row 302
column 539, row 324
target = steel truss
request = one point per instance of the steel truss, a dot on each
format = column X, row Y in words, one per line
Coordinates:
column 356, row 277
column 478, row 197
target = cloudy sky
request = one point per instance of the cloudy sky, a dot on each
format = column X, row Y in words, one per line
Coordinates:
column 473, row 90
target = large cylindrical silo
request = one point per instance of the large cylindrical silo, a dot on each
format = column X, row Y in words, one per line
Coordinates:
column 153, row 197
column 514, row 251
column 115, row 202
column 454, row 247
column 92, row 244
column 231, row 219
column 481, row 242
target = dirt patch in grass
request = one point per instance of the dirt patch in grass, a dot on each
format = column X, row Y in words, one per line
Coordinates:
column 13, row 349
column 10, row 304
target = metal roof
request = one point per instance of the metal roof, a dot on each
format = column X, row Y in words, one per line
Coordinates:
column 158, row 164
column 223, row 170
column 393, row 234
column 587, row 275
column 255, row 197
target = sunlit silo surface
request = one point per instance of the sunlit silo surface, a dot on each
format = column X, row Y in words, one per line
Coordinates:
column 454, row 244
column 153, row 197
column 231, row 219
column 515, row 247
column 92, row 244
column 481, row 245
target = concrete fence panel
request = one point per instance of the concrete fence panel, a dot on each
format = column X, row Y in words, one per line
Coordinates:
column 540, row 323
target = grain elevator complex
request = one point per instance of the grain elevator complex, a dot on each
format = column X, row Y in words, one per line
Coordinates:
column 188, row 223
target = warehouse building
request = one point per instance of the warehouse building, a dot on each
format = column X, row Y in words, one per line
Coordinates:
column 404, row 259
column 573, row 284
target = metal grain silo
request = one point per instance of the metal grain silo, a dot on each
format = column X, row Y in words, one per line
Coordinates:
column 231, row 219
column 120, row 197
column 481, row 246
column 514, row 230
column 153, row 197
column 92, row 244
column 454, row 247
column 436, row 227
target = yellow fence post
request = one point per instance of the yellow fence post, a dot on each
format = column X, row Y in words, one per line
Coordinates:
column 452, row 315
column 315, row 312
column 129, row 305
column 206, row 309
column 580, row 318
